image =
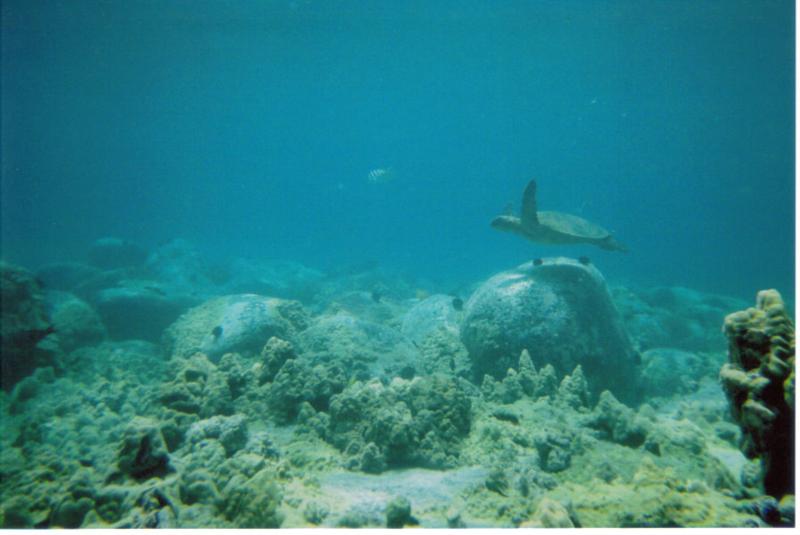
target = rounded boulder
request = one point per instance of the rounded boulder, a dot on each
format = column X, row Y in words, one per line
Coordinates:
column 560, row 310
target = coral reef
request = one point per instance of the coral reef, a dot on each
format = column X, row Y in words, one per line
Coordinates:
column 759, row 383
column 359, row 407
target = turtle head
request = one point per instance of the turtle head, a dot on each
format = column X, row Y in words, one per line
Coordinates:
column 505, row 223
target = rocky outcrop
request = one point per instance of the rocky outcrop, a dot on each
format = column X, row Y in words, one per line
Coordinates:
column 558, row 309
column 759, row 383
column 23, row 324
column 234, row 323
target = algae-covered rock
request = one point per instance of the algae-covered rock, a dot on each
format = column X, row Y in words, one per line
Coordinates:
column 273, row 355
column 234, row 323
column 253, row 502
column 398, row 513
column 23, row 324
column 560, row 310
column 430, row 314
column 688, row 318
column 759, row 383
column 419, row 422
column 76, row 323
column 198, row 388
column 231, row 431
column 549, row 514
column 668, row 371
column 362, row 349
column 653, row 497
column 142, row 452
column 617, row 422
column 296, row 383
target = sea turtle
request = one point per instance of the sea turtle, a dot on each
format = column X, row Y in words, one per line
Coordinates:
column 554, row 227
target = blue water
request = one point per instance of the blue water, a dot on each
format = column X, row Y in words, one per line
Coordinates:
column 249, row 127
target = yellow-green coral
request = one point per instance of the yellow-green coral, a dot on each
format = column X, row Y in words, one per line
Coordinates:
column 759, row 383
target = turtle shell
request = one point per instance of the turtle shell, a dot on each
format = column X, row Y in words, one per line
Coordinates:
column 572, row 225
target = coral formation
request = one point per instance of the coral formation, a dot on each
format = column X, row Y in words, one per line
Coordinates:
column 562, row 313
column 408, row 423
column 759, row 383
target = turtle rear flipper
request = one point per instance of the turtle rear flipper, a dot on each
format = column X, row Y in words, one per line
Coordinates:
column 529, row 212
column 610, row 244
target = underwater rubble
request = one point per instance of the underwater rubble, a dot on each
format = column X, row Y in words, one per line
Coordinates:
column 268, row 394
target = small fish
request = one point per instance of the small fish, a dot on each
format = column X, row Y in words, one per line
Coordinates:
column 458, row 303
column 376, row 296
column 584, row 260
column 216, row 331
column 538, row 262
column 380, row 176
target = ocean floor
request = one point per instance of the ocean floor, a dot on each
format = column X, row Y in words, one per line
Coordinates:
column 163, row 391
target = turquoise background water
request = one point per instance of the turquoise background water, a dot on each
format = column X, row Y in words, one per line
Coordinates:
column 249, row 128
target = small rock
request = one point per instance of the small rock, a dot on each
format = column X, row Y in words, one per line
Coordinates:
column 550, row 514
column 398, row 513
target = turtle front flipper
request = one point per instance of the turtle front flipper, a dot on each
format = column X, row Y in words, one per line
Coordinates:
column 529, row 212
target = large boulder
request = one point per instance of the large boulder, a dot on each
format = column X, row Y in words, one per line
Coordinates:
column 140, row 309
column 233, row 323
column 364, row 349
column 560, row 310
column 23, row 324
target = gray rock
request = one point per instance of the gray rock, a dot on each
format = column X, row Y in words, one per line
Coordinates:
column 429, row 315
column 76, row 323
column 234, row 323
column 562, row 313
column 362, row 348
column 140, row 309
column 668, row 371
column 231, row 431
